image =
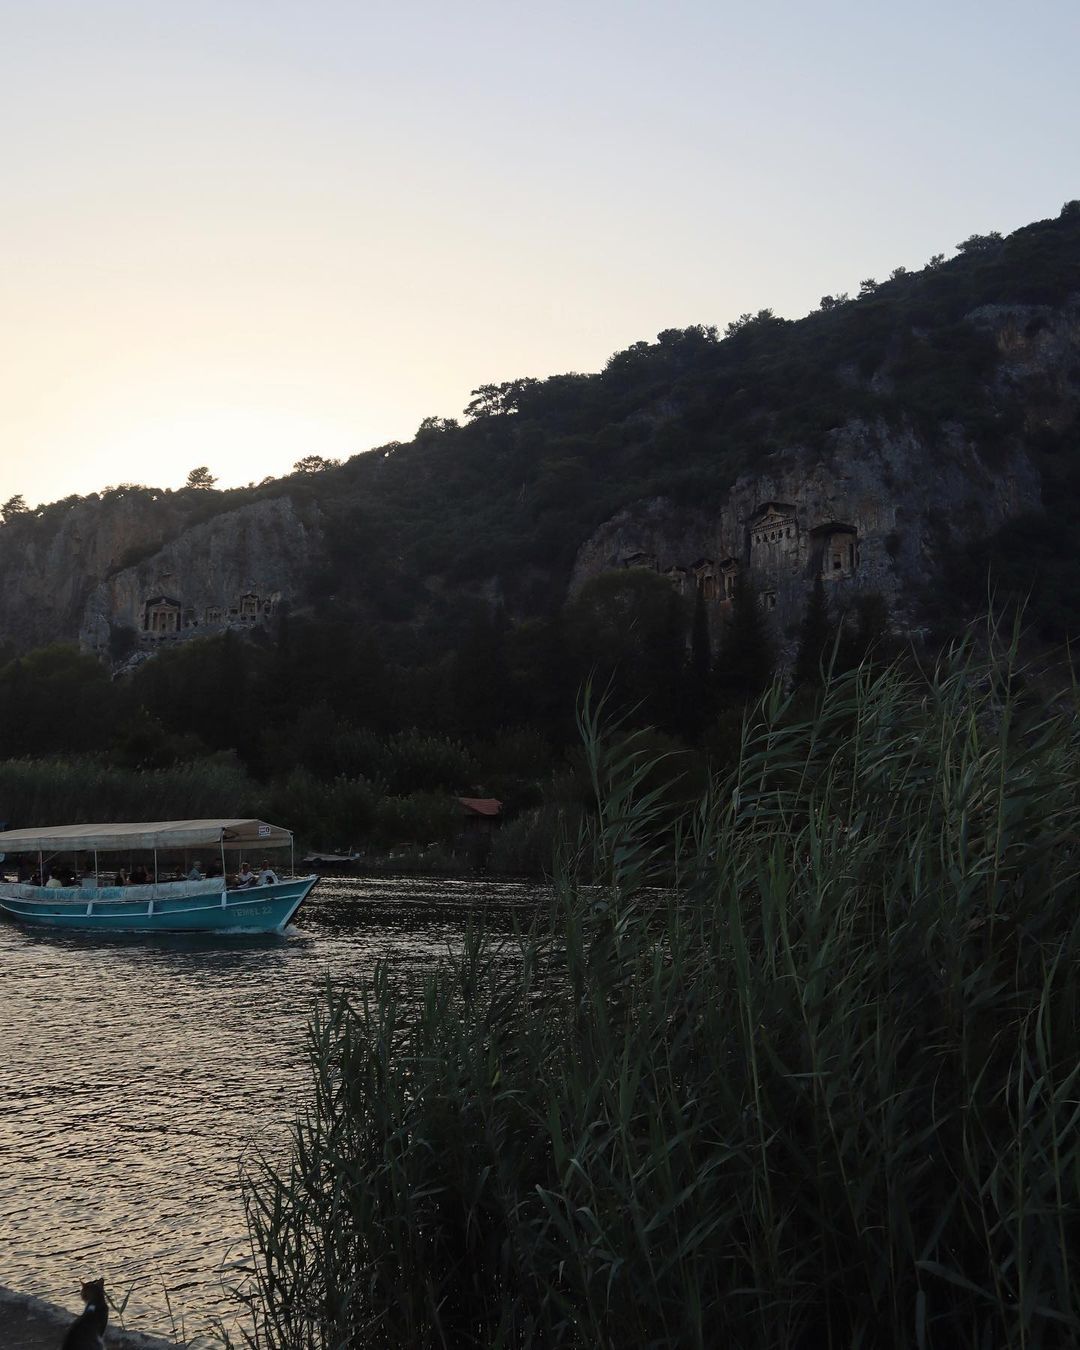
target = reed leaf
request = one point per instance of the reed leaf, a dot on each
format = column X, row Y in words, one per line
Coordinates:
column 823, row 1091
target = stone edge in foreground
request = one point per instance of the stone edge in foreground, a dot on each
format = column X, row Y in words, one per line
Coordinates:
column 28, row 1323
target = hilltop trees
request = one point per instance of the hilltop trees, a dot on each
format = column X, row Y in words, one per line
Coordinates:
column 431, row 428
column 14, row 506
column 315, row 464
column 493, row 400
column 748, row 320
column 979, row 243
column 200, row 478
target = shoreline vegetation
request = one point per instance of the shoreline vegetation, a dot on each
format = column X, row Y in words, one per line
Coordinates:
column 796, row 1065
column 422, row 832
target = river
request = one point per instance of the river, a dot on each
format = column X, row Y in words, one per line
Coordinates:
column 135, row 1072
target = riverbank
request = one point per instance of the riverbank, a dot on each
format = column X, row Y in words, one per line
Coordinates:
column 28, row 1323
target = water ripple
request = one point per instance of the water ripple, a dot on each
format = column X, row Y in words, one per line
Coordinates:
column 136, row 1072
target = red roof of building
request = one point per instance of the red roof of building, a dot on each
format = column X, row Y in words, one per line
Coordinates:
column 481, row 806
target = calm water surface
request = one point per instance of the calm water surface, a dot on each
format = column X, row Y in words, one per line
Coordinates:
column 134, row 1073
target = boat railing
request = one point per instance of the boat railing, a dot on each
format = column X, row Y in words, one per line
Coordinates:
column 160, row 890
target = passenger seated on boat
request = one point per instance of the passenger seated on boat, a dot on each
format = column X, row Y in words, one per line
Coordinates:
column 121, row 878
column 267, row 875
column 245, row 877
column 139, row 876
column 54, row 882
column 196, row 873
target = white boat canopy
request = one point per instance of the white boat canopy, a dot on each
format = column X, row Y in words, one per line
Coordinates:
column 148, row 834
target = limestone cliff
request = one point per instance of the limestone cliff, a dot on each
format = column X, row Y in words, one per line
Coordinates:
column 871, row 514
column 233, row 571
column 876, row 510
column 135, row 563
column 864, row 444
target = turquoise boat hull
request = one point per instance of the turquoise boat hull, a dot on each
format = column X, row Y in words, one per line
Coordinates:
column 158, row 909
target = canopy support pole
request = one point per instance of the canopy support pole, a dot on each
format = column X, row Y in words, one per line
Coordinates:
column 224, row 876
column 155, row 867
column 40, row 869
column 95, row 868
column 292, row 856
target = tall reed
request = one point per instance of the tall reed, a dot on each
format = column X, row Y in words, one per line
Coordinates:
column 823, row 1091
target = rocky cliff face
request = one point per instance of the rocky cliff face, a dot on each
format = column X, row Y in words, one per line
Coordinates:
column 871, row 515
column 134, row 566
column 1040, row 351
column 875, row 511
column 233, row 571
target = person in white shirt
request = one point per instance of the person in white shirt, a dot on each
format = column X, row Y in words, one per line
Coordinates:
column 267, row 875
column 245, row 877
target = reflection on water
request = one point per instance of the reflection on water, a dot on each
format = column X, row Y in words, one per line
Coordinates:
column 134, row 1071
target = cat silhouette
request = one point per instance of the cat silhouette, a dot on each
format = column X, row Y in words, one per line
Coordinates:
column 87, row 1332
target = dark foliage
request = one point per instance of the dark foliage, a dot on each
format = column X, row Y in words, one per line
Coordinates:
column 438, row 609
column 816, row 637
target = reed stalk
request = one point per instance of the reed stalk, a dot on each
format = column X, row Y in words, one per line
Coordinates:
column 823, row 1092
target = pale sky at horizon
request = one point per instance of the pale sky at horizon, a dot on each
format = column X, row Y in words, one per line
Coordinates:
column 243, row 231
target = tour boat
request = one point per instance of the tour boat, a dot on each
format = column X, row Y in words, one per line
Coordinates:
column 160, row 904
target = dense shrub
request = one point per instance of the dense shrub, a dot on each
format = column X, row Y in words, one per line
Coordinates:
column 59, row 792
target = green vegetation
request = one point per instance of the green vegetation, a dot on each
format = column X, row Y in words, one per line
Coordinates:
column 498, row 505
column 435, row 632
column 816, row 638
column 12, row 508
column 200, row 478
column 819, row 1090
column 318, row 731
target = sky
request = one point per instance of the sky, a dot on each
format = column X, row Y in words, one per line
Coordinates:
column 238, row 232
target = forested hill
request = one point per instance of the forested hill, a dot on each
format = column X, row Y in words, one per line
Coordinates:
column 513, row 494
column 982, row 347
column 344, row 647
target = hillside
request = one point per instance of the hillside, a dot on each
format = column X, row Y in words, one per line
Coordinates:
column 926, row 414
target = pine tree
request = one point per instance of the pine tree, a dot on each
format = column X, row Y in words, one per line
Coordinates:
column 866, row 634
column 816, row 637
column 745, row 662
column 700, row 650
column 697, row 702
column 662, row 663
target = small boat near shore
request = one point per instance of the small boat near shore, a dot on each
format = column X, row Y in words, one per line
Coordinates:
column 163, row 902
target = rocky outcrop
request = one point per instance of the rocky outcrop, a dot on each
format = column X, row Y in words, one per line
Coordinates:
column 1039, row 370
column 232, row 572
column 134, row 567
column 876, row 511
column 50, row 561
column 876, row 508
column 871, row 514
